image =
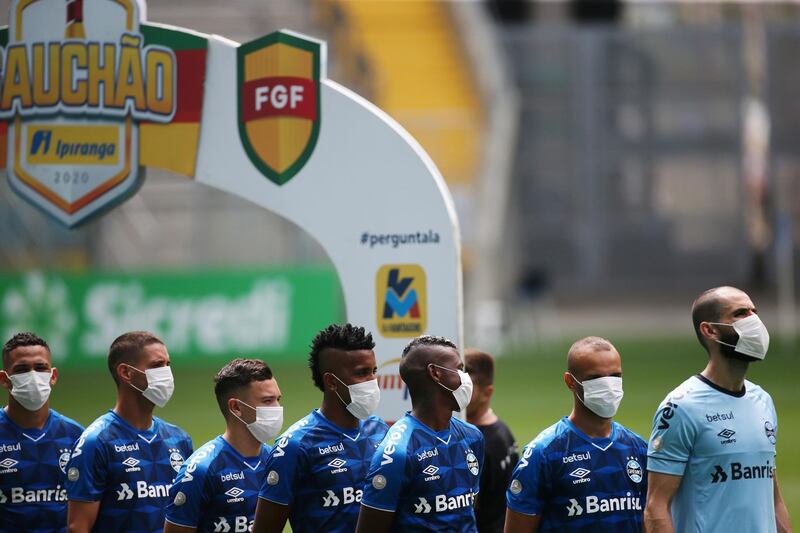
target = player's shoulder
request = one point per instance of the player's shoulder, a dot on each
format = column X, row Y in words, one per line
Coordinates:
column 629, row 435
column 66, row 422
column 374, row 424
column 399, row 435
column 100, row 428
column 756, row 391
column 549, row 437
column 467, row 429
column 691, row 394
column 167, row 430
column 300, row 434
column 206, row 458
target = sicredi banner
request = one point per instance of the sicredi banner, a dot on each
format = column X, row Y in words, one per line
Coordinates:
column 202, row 315
column 91, row 94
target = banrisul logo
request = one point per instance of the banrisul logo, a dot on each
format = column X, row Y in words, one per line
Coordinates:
column 401, row 300
column 279, row 102
column 77, row 79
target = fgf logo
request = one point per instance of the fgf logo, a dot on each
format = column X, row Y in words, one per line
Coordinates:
column 401, row 300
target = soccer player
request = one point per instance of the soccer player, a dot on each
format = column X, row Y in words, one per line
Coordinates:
column 121, row 468
column 424, row 475
column 501, row 448
column 217, row 487
column 585, row 472
column 316, row 470
column 35, row 441
column 711, row 459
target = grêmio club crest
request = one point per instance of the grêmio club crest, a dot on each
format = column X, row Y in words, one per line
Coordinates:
column 279, row 102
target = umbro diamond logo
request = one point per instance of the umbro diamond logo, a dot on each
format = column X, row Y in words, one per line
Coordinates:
column 726, row 433
column 430, row 470
column 337, row 463
column 130, row 461
column 580, row 473
column 7, row 463
column 234, row 492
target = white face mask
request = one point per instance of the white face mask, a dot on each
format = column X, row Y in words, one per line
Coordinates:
column 268, row 423
column 31, row 389
column 602, row 396
column 463, row 393
column 160, row 384
column 753, row 336
column 364, row 397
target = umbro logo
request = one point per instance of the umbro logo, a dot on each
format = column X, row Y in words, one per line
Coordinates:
column 727, row 436
column 131, row 464
column 580, row 475
column 8, row 463
column 234, row 492
column 338, row 465
column 430, row 470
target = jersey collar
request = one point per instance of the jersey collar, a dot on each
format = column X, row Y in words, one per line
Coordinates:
column 716, row 387
column 442, row 436
column 146, row 435
column 351, row 434
column 250, row 462
column 32, row 434
column 601, row 444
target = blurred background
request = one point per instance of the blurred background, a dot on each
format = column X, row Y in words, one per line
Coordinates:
column 609, row 160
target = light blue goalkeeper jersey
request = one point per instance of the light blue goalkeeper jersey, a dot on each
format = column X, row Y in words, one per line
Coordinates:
column 723, row 444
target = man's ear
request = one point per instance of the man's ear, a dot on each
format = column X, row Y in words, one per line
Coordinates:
column 123, row 372
column 53, row 376
column 233, row 407
column 708, row 332
column 329, row 382
column 4, row 380
column 489, row 390
column 570, row 382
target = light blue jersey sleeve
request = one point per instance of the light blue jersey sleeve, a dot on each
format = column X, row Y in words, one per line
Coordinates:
column 387, row 472
column 284, row 465
column 525, row 494
column 87, row 469
column 672, row 439
column 189, row 495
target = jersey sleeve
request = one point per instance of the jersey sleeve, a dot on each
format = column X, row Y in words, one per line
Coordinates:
column 526, row 492
column 285, row 464
column 189, row 495
column 672, row 439
column 387, row 471
column 87, row 468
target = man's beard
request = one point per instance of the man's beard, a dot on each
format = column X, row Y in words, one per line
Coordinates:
column 730, row 352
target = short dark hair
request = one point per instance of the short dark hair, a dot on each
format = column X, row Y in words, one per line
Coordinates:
column 127, row 348
column 25, row 338
column 428, row 340
column 480, row 366
column 235, row 375
column 346, row 337
column 707, row 308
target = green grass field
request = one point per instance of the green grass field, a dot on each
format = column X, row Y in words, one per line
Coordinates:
column 530, row 394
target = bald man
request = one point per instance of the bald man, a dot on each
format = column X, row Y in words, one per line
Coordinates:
column 424, row 475
column 711, row 459
column 316, row 470
column 585, row 472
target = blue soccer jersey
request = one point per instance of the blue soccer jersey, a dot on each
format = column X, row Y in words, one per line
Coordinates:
column 217, row 489
column 32, row 474
column 577, row 483
column 318, row 469
column 128, row 470
column 429, row 479
column 723, row 446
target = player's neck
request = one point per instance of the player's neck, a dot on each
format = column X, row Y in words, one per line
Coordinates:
column 136, row 410
column 242, row 440
column 726, row 372
column 334, row 410
column 484, row 416
column 592, row 425
column 434, row 413
column 27, row 419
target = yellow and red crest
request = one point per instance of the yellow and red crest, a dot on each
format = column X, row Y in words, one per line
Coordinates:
column 279, row 102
